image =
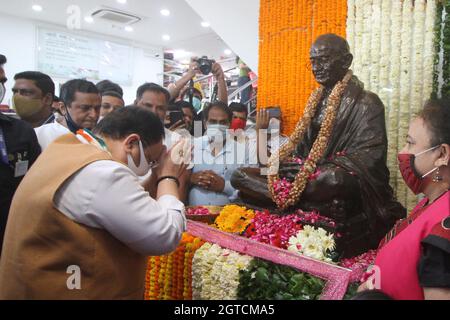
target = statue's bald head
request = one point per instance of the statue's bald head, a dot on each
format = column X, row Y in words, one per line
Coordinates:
column 330, row 59
column 332, row 42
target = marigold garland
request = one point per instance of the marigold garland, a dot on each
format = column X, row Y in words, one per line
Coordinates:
column 169, row 277
column 318, row 148
column 287, row 30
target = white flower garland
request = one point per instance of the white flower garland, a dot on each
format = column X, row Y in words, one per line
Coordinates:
column 429, row 50
column 375, row 46
column 359, row 29
column 366, row 41
column 384, row 86
column 394, row 76
column 393, row 44
column 215, row 273
column 225, row 275
column 351, row 24
column 417, row 57
column 405, row 88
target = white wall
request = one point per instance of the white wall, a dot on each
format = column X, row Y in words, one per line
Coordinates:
column 18, row 44
column 236, row 22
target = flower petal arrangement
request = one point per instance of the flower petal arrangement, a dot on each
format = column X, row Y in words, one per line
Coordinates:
column 234, row 219
column 313, row 242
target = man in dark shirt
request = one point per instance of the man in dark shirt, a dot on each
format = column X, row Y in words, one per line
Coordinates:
column 19, row 149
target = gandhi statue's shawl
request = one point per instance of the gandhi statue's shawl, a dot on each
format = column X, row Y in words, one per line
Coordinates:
column 360, row 132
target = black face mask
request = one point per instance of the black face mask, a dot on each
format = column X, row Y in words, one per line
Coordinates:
column 72, row 126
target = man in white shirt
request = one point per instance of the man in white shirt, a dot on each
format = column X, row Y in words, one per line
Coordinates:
column 155, row 98
column 216, row 156
column 111, row 188
column 94, row 216
column 81, row 110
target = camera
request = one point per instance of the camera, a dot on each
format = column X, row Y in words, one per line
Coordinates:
column 205, row 65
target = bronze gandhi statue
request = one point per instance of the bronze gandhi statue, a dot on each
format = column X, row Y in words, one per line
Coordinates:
column 353, row 185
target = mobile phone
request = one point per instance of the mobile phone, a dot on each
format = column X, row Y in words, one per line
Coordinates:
column 175, row 116
column 274, row 112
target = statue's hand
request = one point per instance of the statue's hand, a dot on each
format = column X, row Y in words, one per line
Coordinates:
column 332, row 183
column 289, row 170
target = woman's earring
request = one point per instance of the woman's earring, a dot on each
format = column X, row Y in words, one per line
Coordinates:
column 437, row 177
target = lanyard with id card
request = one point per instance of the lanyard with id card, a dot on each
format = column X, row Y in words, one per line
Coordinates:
column 21, row 167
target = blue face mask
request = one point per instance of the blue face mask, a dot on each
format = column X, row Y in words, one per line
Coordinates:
column 196, row 103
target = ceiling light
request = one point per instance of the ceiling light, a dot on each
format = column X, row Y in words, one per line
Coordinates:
column 37, row 8
column 122, row 1
column 129, row 29
column 165, row 12
column 205, row 24
column 228, row 52
column 89, row 19
column 166, row 37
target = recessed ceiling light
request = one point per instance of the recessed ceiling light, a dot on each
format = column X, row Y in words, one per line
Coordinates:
column 228, row 52
column 129, row 29
column 122, row 1
column 166, row 37
column 165, row 12
column 89, row 19
column 205, row 24
column 37, row 8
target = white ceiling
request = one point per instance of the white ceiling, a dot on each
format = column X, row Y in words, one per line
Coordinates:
column 183, row 25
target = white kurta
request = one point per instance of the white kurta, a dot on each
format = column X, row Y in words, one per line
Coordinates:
column 107, row 195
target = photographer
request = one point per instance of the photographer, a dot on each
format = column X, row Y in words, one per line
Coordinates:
column 194, row 69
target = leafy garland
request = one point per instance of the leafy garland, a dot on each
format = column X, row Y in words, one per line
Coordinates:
column 264, row 280
column 318, row 148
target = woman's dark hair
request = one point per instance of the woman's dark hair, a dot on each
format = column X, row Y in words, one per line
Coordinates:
column 70, row 88
column 219, row 105
column 371, row 295
column 132, row 120
column 112, row 94
column 108, row 86
column 436, row 115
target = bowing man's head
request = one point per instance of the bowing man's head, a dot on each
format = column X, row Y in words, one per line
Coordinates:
column 134, row 136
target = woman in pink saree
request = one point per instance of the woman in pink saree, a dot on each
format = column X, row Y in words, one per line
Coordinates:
column 413, row 262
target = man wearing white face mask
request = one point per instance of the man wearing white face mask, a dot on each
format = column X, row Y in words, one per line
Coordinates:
column 94, row 214
column 216, row 157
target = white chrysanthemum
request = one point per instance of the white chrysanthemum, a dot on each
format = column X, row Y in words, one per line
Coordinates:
column 328, row 243
column 307, row 231
column 321, row 232
column 314, row 254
